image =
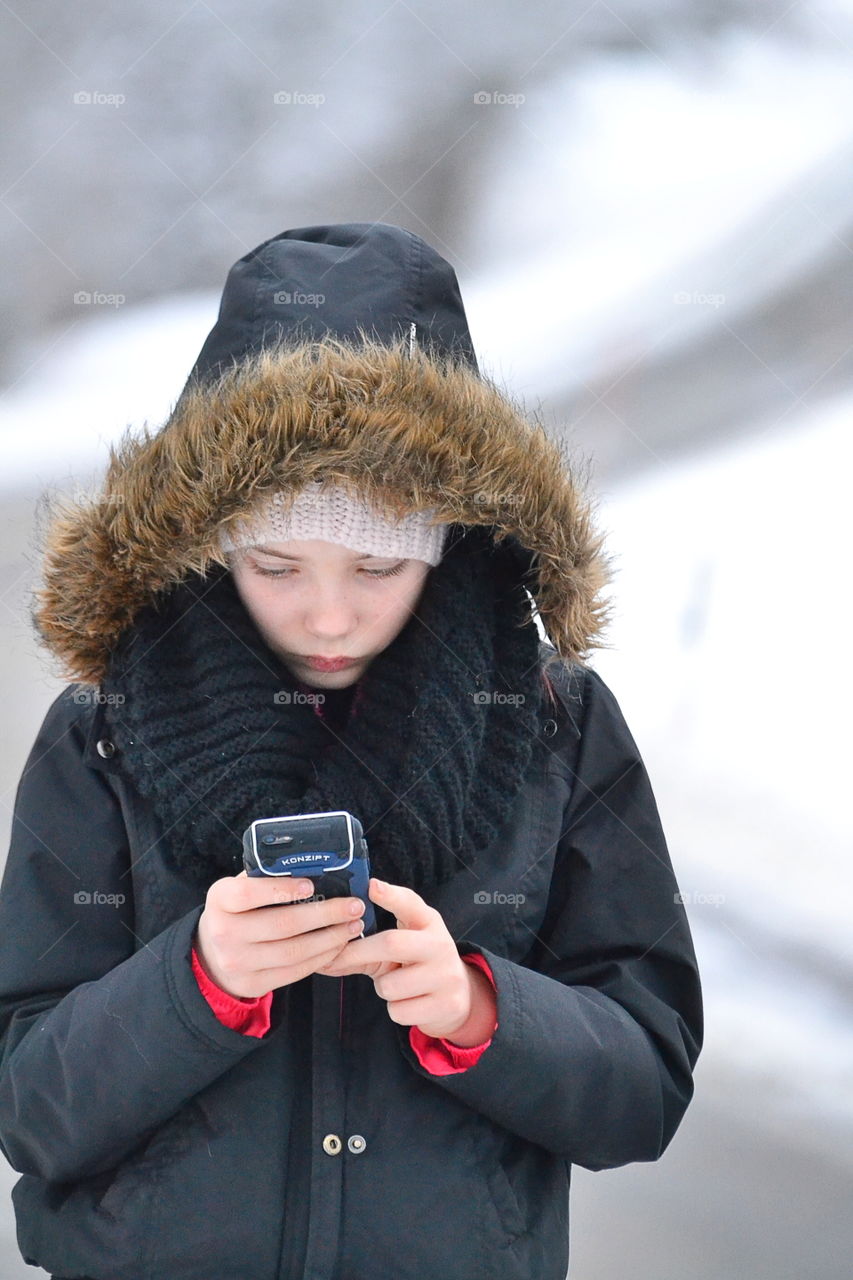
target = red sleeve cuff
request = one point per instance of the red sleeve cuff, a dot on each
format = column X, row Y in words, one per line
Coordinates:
column 439, row 1056
column 251, row 1017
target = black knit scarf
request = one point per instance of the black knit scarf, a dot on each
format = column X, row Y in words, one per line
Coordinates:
column 216, row 731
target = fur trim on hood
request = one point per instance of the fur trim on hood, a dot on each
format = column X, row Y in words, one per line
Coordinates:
column 407, row 430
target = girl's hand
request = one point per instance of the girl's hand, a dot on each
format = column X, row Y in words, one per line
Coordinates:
column 417, row 969
column 248, row 952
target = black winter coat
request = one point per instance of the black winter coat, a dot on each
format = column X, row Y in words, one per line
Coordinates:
column 154, row 1143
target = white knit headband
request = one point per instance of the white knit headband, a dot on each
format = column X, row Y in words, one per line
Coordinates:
column 329, row 513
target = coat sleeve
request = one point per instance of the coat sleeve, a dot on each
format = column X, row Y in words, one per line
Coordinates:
column 249, row 1016
column 600, row 1026
column 441, row 1056
column 101, row 1039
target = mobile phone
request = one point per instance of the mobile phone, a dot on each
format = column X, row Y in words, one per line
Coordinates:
column 328, row 848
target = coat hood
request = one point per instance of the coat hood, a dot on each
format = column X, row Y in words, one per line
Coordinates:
column 337, row 281
column 376, row 390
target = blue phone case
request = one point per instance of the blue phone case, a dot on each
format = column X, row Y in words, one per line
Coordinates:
column 328, row 848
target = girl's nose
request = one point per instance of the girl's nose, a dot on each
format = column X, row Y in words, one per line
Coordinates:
column 330, row 618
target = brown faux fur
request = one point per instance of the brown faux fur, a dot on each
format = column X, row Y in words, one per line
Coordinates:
column 408, row 431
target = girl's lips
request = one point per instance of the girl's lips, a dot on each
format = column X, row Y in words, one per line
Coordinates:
column 330, row 664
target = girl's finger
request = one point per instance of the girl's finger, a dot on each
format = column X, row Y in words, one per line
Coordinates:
column 419, row 1011
column 414, row 980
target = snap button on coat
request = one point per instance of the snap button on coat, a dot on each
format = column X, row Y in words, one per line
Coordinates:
column 549, row 728
column 332, row 1144
column 106, row 748
column 356, row 1143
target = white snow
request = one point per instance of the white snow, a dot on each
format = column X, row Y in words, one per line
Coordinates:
column 731, row 663
column 731, row 636
column 674, row 190
column 120, row 366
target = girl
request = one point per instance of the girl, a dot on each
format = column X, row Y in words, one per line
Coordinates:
column 316, row 588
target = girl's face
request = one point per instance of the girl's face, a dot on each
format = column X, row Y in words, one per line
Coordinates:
column 318, row 599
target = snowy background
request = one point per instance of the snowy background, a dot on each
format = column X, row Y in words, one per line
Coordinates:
column 653, row 241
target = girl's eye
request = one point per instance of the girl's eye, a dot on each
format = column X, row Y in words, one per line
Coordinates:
column 371, row 573
column 386, row 573
column 270, row 573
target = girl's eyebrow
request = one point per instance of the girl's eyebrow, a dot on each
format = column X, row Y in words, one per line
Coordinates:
column 283, row 555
